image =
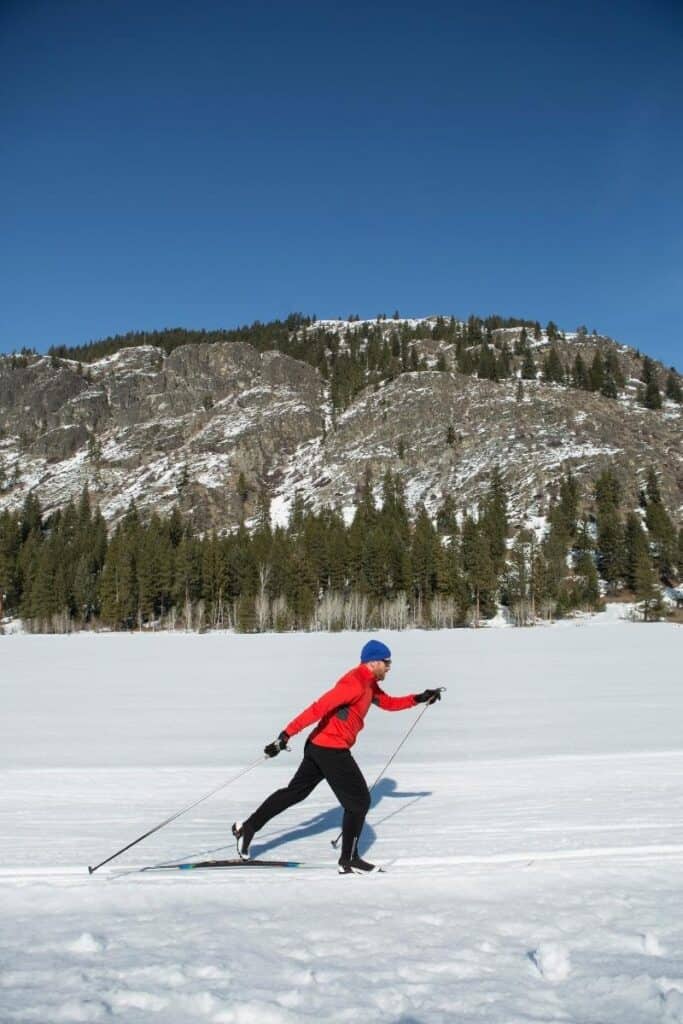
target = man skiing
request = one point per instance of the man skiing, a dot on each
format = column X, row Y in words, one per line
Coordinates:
column 340, row 715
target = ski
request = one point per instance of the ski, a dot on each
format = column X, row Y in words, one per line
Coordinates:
column 233, row 863
column 236, row 862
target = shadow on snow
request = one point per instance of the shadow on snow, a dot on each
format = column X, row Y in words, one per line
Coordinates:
column 329, row 820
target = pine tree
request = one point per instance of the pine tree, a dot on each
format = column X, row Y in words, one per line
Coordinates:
column 366, row 508
column 613, row 369
column 543, row 588
column 661, row 529
column 553, row 369
column 504, row 363
column 446, row 518
column 263, row 525
column 44, row 601
column 673, row 389
column 588, row 589
column 648, row 370
column 568, row 506
column 175, row 527
column 646, row 589
column 337, row 554
column 27, row 567
column 242, row 569
column 609, row 387
column 297, row 515
column 85, row 595
column 650, row 396
column 478, row 567
column 487, row 369
column 518, row 579
column 555, row 550
column 611, row 548
column 10, row 542
column 242, row 489
column 635, row 546
column 465, row 359
column 424, row 557
column 528, row 366
column 95, row 455
column 148, row 565
column 213, row 579
column 394, row 523
column 580, row 378
column 596, row 374
column 494, row 521
column 607, row 492
column 300, row 593
column 375, row 559
column 117, row 590
column 31, row 516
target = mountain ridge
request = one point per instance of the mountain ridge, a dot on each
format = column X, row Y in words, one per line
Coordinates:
column 216, row 427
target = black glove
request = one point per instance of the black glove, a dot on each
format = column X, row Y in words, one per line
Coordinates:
column 274, row 748
column 427, row 696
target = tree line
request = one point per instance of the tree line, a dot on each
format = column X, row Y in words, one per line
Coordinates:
column 384, row 568
column 353, row 358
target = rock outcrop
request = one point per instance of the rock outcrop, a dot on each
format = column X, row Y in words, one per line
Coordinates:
column 211, row 427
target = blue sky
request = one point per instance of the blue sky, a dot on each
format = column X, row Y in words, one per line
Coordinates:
column 207, row 164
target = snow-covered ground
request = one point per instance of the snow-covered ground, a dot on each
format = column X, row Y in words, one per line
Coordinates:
column 531, row 826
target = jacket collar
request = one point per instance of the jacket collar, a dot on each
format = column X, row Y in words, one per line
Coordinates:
column 366, row 672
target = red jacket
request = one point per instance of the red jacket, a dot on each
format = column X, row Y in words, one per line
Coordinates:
column 341, row 711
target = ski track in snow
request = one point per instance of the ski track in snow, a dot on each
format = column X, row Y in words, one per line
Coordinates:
column 532, row 829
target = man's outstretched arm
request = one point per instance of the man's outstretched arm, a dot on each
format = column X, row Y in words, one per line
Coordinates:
column 387, row 703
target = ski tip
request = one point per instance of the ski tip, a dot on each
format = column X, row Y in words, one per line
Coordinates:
column 90, row 870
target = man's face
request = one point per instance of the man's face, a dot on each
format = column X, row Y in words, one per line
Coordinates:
column 379, row 669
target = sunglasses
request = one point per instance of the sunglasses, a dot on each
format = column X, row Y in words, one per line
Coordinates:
column 387, row 662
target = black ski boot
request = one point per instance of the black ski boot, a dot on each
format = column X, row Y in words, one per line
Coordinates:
column 356, row 866
column 243, row 833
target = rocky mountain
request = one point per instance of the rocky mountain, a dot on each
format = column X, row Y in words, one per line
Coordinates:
column 213, row 427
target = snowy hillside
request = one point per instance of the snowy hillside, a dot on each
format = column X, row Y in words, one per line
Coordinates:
column 209, row 427
column 531, row 827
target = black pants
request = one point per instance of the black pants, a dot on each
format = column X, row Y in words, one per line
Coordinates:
column 344, row 778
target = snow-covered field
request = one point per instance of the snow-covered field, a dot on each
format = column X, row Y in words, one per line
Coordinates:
column 531, row 826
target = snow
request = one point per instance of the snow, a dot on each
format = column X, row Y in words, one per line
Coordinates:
column 552, row 961
column 538, row 525
column 531, row 827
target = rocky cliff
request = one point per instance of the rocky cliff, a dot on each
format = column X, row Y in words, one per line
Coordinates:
column 211, row 427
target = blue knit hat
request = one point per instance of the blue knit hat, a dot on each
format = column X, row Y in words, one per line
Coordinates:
column 375, row 650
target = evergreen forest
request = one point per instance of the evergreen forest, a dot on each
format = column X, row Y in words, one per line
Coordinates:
column 384, row 569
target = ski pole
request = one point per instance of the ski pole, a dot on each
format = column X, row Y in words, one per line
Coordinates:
column 167, row 821
column 335, row 842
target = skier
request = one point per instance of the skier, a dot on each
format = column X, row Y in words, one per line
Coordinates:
column 327, row 755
